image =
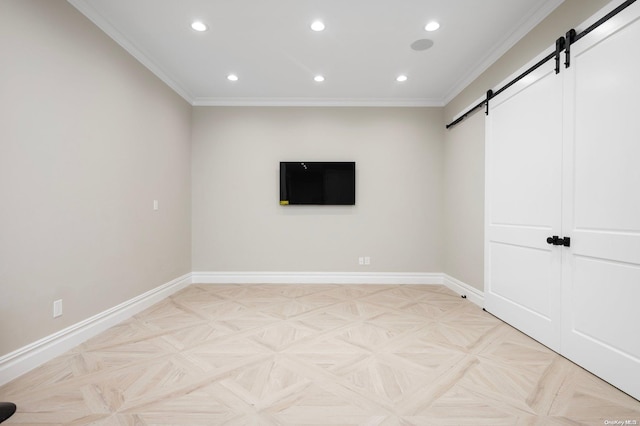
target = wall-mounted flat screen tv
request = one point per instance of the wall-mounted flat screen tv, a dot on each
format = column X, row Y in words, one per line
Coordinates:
column 315, row 182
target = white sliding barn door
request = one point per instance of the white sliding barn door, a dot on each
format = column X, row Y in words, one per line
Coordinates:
column 523, row 199
column 601, row 270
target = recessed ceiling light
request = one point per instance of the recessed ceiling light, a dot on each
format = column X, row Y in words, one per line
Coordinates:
column 432, row 26
column 401, row 78
column 198, row 26
column 318, row 78
column 317, row 26
column 232, row 77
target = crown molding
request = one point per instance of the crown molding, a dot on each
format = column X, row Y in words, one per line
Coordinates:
column 84, row 7
column 101, row 22
column 522, row 28
column 319, row 102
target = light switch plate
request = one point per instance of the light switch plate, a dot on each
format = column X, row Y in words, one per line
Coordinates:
column 57, row 308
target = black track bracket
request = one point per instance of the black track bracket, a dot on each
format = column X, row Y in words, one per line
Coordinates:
column 486, row 104
column 559, row 48
column 569, row 38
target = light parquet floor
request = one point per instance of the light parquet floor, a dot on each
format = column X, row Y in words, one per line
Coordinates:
column 314, row 355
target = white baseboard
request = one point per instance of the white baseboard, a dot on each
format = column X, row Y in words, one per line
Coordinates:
column 473, row 294
column 316, row 278
column 31, row 356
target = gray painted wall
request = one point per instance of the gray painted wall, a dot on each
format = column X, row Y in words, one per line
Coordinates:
column 238, row 224
column 88, row 139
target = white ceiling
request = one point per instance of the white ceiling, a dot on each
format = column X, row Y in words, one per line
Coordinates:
column 269, row 45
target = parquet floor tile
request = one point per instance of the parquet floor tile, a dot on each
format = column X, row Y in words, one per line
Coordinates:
column 274, row 355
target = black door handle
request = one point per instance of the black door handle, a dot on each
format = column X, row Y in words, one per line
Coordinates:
column 557, row 241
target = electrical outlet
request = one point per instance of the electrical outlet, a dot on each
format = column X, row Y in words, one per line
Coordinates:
column 155, row 204
column 57, row 308
column 361, row 260
column 367, row 260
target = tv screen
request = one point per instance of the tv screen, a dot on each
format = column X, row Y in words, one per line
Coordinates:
column 313, row 182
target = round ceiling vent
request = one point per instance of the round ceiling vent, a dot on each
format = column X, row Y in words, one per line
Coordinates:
column 422, row 44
